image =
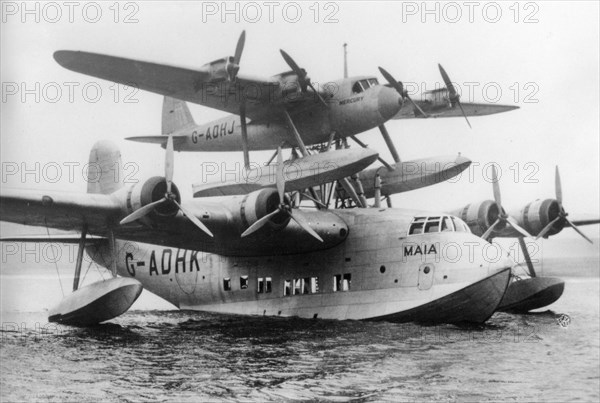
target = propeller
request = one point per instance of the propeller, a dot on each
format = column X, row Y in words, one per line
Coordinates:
column 398, row 86
column 502, row 216
column 303, row 78
column 282, row 208
column 169, row 197
column 452, row 94
column 234, row 67
column 562, row 214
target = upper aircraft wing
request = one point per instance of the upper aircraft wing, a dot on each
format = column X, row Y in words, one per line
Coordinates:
column 471, row 109
column 183, row 83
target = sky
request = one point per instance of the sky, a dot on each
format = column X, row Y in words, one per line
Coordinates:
column 541, row 56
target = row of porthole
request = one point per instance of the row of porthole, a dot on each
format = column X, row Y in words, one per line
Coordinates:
column 425, row 270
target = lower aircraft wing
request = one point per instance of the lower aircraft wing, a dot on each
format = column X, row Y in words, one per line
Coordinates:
column 471, row 109
column 59, row 210
column 151, row 211
column 586, row 222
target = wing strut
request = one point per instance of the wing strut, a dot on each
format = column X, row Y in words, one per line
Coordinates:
column 79, row 258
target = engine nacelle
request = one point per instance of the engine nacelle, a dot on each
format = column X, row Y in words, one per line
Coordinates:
column 219, row 70
column 289, row 85
column 149, row 191
column 539, row 213
column 480, row 216
column 249, row 208
column 437, row 98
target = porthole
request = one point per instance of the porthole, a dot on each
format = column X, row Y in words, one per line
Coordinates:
column 382, row 269
column 426, row 270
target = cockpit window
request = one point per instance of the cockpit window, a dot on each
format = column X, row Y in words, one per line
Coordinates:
column 447, row 225
column 435, row 224
column 363, row 85
column 460, row 225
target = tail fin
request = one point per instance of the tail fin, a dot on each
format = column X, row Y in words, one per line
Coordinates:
column 175, row 115
column 105, row 168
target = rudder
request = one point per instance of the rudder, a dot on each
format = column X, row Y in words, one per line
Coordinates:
column 105, row 170
column 175, row 115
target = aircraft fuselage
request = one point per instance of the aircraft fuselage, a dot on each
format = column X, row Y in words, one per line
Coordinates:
column 347, row 114
column 377, row 272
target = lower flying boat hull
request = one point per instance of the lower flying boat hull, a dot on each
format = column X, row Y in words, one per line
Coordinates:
column 376, row 273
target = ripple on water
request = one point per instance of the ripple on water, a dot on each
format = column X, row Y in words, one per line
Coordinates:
column 191, row 356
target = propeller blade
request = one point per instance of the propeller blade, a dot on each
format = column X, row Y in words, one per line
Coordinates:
column 280, row 178
column 290, row 62
column 141, row 212
column 558, row 186
column 398, row 86
column 301, row 221
column 547, row 228
column 296, row 69
column 578, row 231
column 260, row 223
column 496, row 187
column 451, row 90
column 513, row 223
column 194, row 219
column 487, row 233
column 169, row 163
column 239, row 48
column 418, row 107
column 464, row 114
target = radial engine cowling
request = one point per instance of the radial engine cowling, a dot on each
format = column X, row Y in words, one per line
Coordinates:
column 253, row 206
column 149, row 191
column 480, row 216
column 537, row 214
column 219, row 70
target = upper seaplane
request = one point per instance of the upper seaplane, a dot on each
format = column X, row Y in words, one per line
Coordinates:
column 285, row 110
column 255, row 254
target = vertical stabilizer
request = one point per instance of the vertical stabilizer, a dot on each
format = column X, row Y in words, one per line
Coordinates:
column 105, row 170
column 175, row 115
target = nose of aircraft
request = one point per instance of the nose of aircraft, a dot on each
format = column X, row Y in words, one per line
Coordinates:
column 388, row 102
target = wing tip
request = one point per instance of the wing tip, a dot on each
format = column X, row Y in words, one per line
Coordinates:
column 64, row 57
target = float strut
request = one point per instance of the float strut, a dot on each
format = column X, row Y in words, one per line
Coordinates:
column 244, row 135
column 377, row 191
column 79, row 258
column 363, row 145
column 299, row 141
column 389, row 143
column 527, row 257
